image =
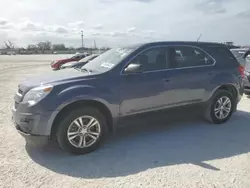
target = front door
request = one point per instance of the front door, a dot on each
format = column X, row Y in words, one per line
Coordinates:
column 145, row 90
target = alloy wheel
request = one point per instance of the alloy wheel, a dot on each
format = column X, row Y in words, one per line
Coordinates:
column 223, row 107
column 83, row 131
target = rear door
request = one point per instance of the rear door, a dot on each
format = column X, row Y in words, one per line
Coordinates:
column 194, row 71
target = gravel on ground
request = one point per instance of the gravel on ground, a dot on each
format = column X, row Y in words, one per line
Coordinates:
column 181, row 153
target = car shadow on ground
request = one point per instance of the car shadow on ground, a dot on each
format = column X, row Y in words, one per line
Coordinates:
column 148, row 144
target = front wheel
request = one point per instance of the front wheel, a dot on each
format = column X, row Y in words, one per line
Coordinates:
column 82, row 131
column 220, row 108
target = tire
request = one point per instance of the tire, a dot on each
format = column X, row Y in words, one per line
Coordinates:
column 211, row 115
column 66, row 126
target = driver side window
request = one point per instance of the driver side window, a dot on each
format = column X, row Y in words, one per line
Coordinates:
column 152, row 60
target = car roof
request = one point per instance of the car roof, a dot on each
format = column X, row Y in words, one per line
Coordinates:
column 159, row 43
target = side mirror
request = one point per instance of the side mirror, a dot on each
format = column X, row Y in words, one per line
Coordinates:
column 133, row 68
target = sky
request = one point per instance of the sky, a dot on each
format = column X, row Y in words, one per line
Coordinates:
column 121, row 22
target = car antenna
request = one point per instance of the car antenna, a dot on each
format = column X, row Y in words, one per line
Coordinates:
column 199, row 38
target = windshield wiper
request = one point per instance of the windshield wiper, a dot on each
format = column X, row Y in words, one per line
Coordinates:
column 86, row 70
column 77, row 68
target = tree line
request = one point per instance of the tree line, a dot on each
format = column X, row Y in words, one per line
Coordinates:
column 44, row 46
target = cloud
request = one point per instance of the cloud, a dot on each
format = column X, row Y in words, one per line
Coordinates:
column 211, row 6
column 96, row 33
column 131, row 29
column 144, row 1
column 76, row 24
column 97, row 26
column 30, row 26
column 244, row 14
column 5, row 24
column 116, row 33
column 115, row 1
column 60, row 29
column 149, row 32
column 145, row 20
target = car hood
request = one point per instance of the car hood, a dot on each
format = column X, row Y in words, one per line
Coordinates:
column 62, row 60
column 53, row 78
column 69, row 64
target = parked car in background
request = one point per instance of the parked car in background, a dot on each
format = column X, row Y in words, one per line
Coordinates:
column 78, row 64
column 247, row 77
column 79, row 106
column 243, row 56
column 56, row 65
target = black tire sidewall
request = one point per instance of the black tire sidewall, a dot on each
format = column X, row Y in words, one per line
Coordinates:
column 62, row 129
column 219, row 94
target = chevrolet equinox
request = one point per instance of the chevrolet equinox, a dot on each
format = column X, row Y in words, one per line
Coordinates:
column 79, row 106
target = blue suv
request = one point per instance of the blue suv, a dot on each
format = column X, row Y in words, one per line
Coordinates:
column 79, row 106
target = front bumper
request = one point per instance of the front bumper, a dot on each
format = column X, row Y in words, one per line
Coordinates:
column 54, row 65
column 29, row 125
column 33, row 140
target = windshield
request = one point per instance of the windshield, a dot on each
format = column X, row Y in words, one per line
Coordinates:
column 87, row 58
column 109, row 59
column 78, row 56
column 238, row 53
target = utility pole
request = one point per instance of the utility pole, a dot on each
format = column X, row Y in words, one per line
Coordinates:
column 94, row 44
column 82, row 37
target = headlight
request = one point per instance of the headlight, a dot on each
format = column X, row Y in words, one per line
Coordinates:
column 36, row 94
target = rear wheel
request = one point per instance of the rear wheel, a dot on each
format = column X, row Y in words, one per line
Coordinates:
column 82, row 131
column 220, row 108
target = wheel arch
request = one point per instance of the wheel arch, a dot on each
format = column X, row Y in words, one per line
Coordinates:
column 230, row 88
column 79, row 104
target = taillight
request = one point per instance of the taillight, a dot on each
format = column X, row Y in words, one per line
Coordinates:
column 242, row 70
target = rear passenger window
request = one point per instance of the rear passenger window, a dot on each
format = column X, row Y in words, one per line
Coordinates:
column 185, row 56
column 221, row 53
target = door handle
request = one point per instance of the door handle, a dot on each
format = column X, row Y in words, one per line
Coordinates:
column 166, row 80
